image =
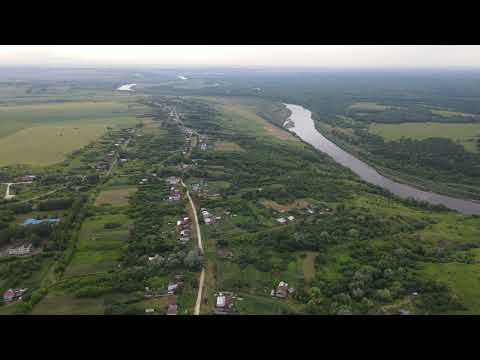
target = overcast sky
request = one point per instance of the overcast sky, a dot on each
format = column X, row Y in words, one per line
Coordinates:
column 244, row 55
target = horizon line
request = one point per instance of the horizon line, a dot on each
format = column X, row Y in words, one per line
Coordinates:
column 213, row 66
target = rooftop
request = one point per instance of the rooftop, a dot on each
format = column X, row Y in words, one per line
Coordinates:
column 36, row 221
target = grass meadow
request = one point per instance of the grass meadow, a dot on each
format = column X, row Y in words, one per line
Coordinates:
column 115, row 197
column 43, row 134
column 466, row 134
column 99, row 248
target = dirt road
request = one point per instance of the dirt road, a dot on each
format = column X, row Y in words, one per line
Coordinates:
column 9, row 196
column 200, row 248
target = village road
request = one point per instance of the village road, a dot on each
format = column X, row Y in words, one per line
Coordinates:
column 200, row 247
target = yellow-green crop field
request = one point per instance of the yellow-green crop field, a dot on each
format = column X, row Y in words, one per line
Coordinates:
column 240, row 115
column 43, row 134
column 466, row 134
column 371, row 106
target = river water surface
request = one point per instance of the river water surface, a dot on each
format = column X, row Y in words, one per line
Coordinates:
column 304, row 127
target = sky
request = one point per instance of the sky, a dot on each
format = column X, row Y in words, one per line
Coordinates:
column 337, row 56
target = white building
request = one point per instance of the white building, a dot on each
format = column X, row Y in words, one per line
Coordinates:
column 22, row 250
column 221, row 301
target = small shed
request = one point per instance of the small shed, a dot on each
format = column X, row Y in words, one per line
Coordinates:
column 172, row 309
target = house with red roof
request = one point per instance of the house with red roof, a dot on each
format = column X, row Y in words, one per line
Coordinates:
column 9, row 295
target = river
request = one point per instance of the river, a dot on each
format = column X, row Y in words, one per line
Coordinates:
column 304, row 127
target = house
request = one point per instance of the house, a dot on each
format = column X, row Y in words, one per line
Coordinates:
column 208, row 220
column 149, row 311
column 221, row 300
column 223, row 303
column 152, row 258
column 31, row 221
column 172, row 287
column 183, row 224
column 22, row 250
column 282, row 221
column 291, row 218
column 175, row 197
column 172, row 309
column 282, row 290
column 173, row 180
column 184, row 239
column 8, row 295
column 28, row 178
column 11, row 294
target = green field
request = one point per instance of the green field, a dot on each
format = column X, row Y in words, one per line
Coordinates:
column 115, row 196
column 449, row 113
column 466, row 134
column 99, row 248
column 370, row 106
column 240, row 116
column 227, row 147
column 43, row 134
column 463, row 279
column 54, row 304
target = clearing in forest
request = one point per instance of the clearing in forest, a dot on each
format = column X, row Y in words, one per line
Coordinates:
column 226, row 146
column 241, row 115
column 115, row 197
column 369, row 106
column 309, row 266
column 297, row 204
column 466, row 133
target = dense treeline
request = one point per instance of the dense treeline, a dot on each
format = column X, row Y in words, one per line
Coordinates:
column 330, row 93
column 55, row 204
column 410, row 113
column 437, row 159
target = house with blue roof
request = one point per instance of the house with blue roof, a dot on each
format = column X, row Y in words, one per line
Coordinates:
column 37, row 221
